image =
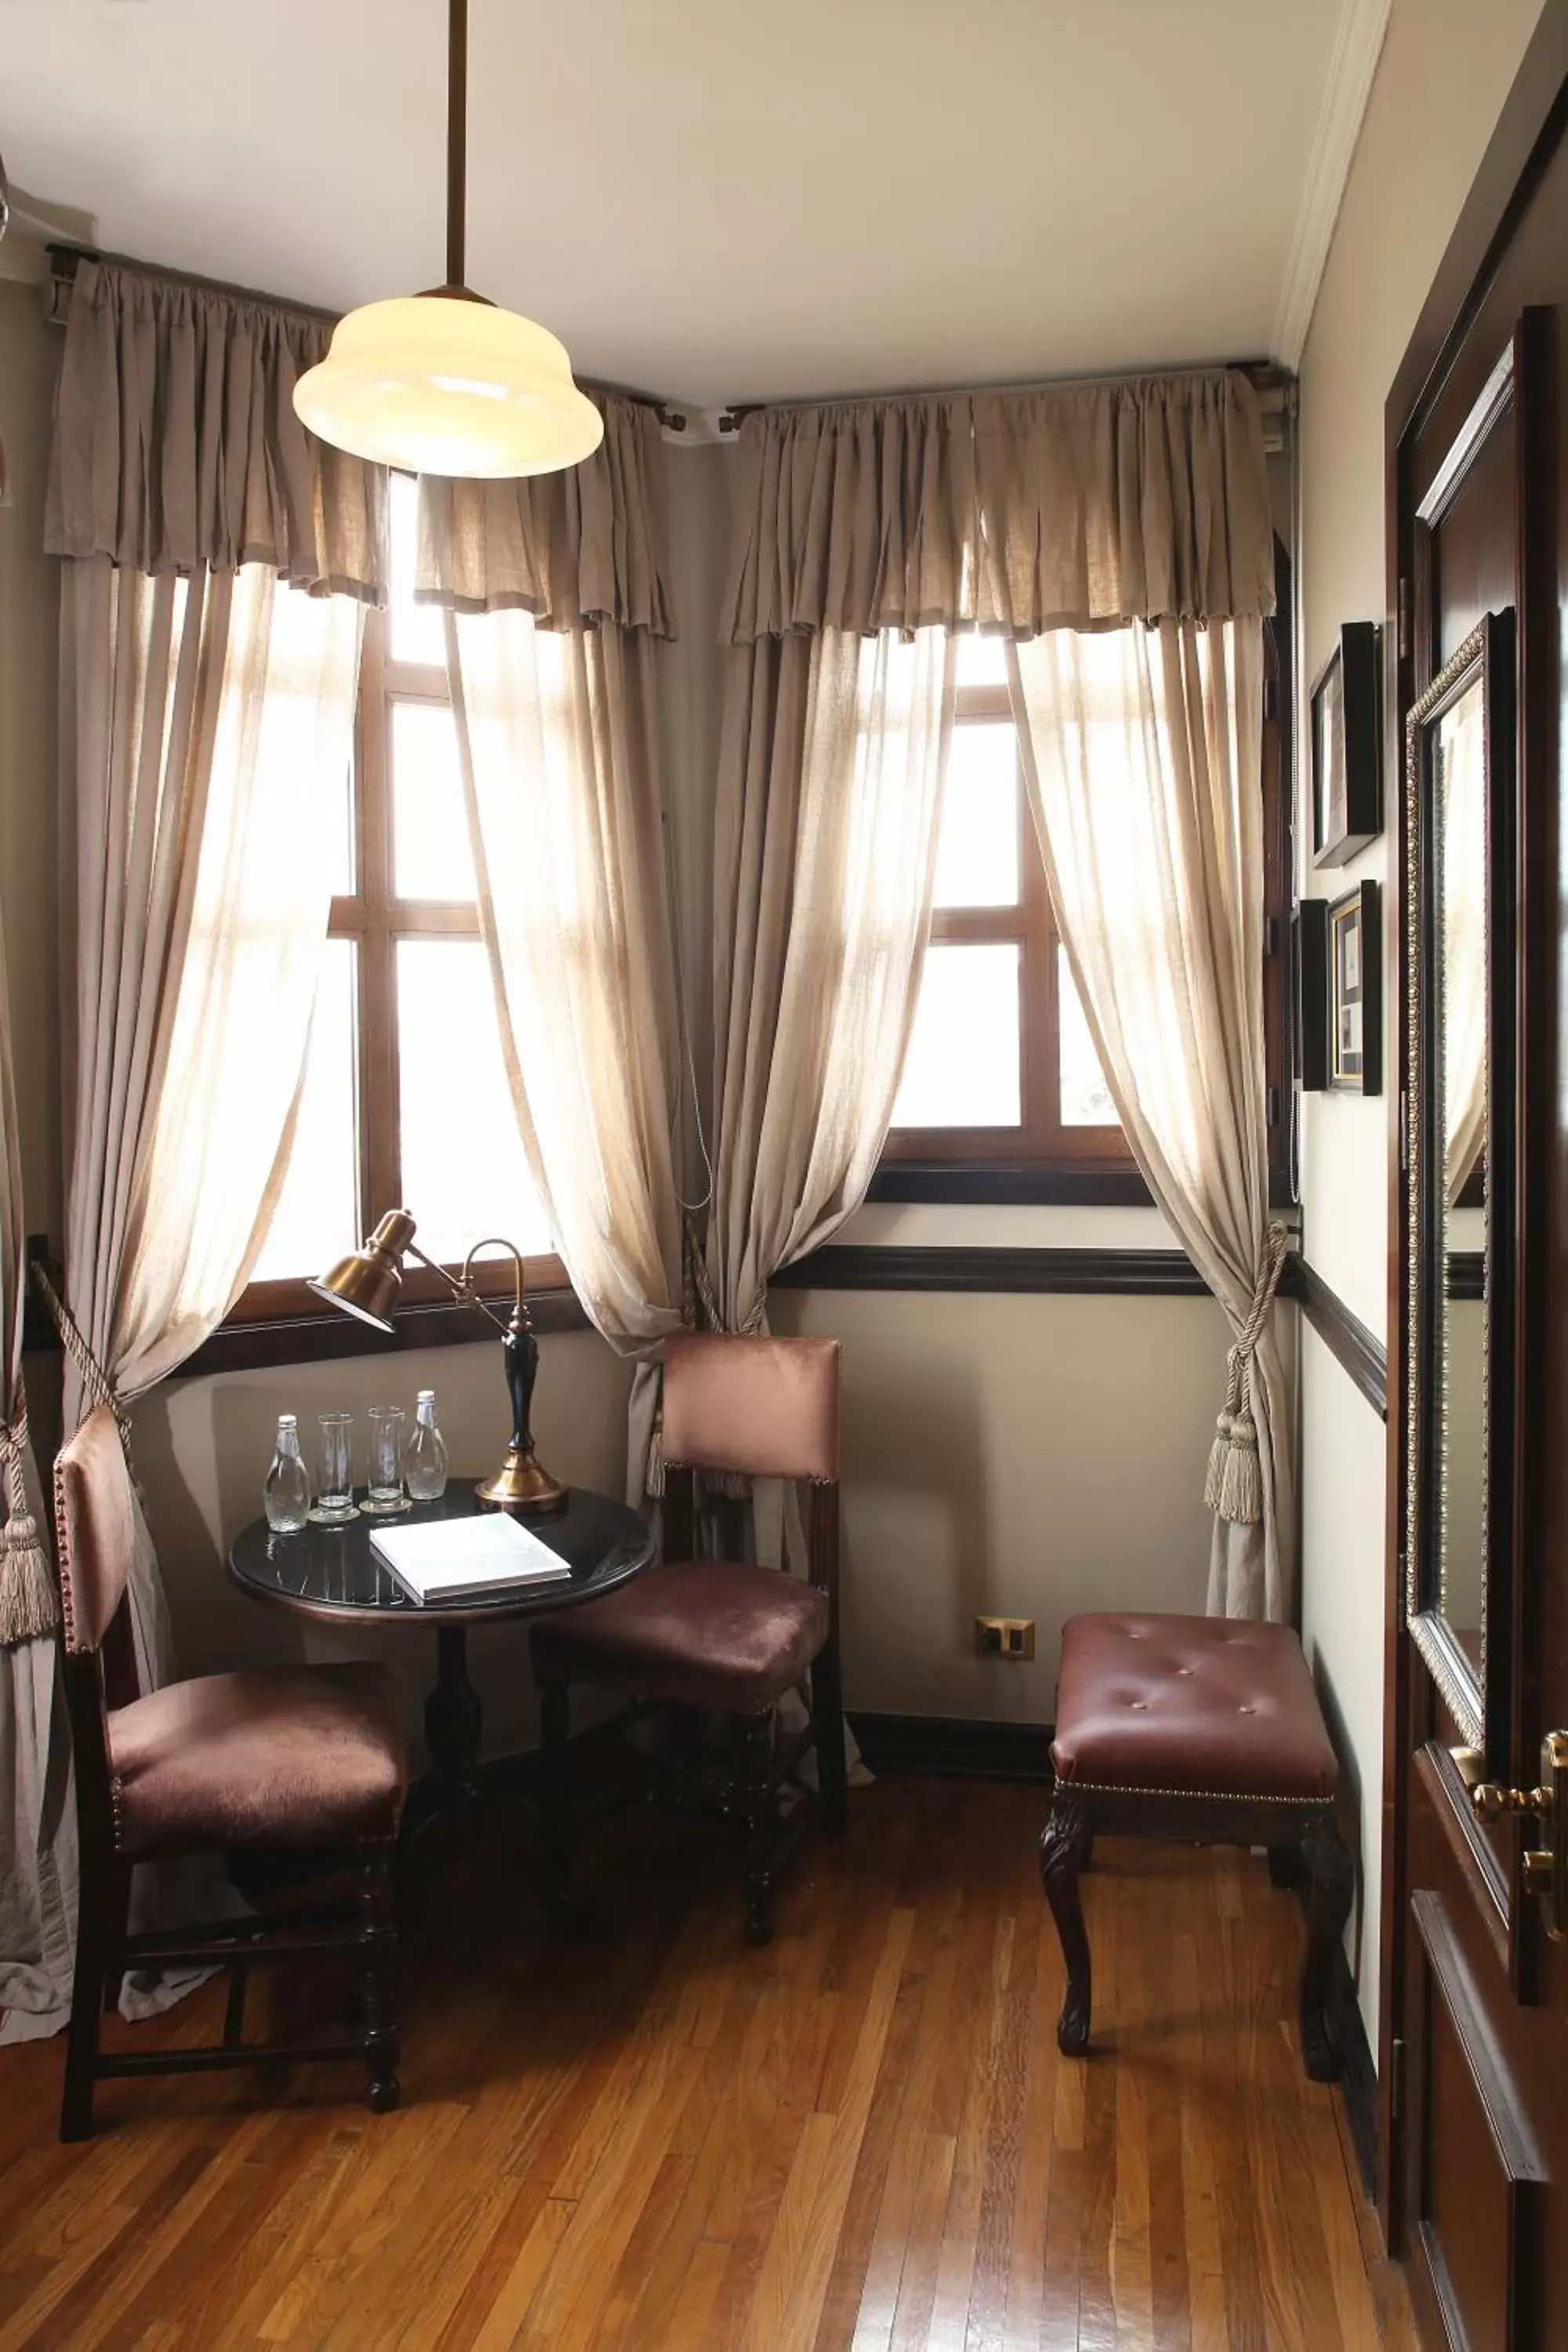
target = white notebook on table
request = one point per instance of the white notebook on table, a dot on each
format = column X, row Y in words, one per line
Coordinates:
column 466, row 1559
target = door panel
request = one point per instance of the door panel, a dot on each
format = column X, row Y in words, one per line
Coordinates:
column 1475, row 2042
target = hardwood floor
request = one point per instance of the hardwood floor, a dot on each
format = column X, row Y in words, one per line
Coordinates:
column 860, row 2138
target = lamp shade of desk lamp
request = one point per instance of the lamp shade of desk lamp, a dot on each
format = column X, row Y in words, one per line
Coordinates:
column 368, row 1283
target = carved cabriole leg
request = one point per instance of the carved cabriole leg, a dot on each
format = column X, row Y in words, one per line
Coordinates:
column 1064, row 1845
column 1332, row 1876
column 757, row 1814
column 377, row 1978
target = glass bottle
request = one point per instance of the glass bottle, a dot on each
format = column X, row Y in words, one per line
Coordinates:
column 285, row 1496
column 425, row 1456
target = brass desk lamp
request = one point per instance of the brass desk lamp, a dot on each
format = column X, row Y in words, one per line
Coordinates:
column 368, row 1283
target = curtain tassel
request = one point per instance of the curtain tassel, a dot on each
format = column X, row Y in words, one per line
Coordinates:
column 653, row 1473
column 1219, row 1455
column 29, row 1607
column 1241, row 1478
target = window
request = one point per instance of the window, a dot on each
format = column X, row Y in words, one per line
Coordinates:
column 1003, row 1079
column 1001, row 1066
column 406, row 1100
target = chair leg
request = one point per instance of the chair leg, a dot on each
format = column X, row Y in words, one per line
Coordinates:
column 234, row 2009
column 827, row 1713
column 102, row 1908
column 1332, row 1876
column 1065, row 1842
column 377, row 1979
column 757, row 1814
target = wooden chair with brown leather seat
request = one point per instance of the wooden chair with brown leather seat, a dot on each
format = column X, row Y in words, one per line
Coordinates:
column 302, row 1760
column 723, row 1637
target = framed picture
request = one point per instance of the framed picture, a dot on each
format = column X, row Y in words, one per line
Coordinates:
column 1347, row 765
column 1311, row 960
column 1355, row 990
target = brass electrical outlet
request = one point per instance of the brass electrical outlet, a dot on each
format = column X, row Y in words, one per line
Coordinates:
column 1004, row 1637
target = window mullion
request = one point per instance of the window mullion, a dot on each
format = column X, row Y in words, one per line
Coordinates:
column 1040, row 1017
column 378, row 997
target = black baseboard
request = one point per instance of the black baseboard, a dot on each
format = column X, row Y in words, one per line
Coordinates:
column 954, row 1748
column 1358, row 2084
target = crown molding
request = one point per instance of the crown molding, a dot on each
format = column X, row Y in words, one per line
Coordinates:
column 1358, row 45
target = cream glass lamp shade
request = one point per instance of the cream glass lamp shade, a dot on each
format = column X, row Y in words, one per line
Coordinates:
column 447, row 383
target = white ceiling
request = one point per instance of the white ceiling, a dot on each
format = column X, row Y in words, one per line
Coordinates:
column 730, row 202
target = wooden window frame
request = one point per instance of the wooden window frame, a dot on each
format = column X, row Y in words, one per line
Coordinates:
column 377, row 920
column 1041, row 1139
column 1042, row 1160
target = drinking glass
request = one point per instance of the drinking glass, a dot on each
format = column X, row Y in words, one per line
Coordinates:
column 387, row 1494
column 335, row 1494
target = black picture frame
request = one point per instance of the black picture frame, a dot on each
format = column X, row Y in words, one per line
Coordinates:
column 1354, row 929
column 1310, row 928
column 1346, row 748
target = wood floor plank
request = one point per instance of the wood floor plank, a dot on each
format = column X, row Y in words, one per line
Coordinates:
column 859, row 2139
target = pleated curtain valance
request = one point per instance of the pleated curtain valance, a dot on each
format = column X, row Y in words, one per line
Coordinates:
column 584, row 546
column 1069, row 506
column 177, row 448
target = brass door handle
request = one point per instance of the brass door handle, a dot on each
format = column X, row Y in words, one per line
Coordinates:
column 1545, row 1867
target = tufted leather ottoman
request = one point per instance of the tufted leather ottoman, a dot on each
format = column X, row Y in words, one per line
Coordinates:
column 1199, row 1727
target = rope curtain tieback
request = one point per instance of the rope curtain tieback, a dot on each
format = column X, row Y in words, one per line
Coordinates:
column 1233, row 1489
column 29, row 1607
column 698, row 1311
column 95, row 1381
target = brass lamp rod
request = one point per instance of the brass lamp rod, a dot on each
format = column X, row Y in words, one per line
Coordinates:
column 456, row 139
column 462, row 1286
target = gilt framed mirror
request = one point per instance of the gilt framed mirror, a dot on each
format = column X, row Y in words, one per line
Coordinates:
column 1461, row 1147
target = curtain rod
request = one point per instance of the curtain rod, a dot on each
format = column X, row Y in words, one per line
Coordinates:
column 64, row 260
column 1265, row 375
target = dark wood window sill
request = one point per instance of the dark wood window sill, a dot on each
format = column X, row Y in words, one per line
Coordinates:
column 1010, row 1183
column 1013, row 1184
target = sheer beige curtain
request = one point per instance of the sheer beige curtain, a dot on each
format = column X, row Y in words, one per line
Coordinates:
column 218, row 564
column 1461, row 837
column 1142, row 772
column 835, row 749
column 1119, row 535
column 209, row 729
column 37, row 1827
column 558, row 608
column 852, row 556
column 1128, row 552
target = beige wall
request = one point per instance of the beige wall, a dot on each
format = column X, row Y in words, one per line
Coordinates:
column 1446, row 69
column 1019, row 1456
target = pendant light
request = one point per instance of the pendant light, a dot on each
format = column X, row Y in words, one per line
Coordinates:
column 444, row 383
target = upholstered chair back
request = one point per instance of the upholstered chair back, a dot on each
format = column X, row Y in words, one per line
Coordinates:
column 95, row 1526
column 766, row 1407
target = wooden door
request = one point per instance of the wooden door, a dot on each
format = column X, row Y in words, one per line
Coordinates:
column 1474, row 2059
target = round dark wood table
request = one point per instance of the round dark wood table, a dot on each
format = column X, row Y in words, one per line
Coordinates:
column 332, row 1575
